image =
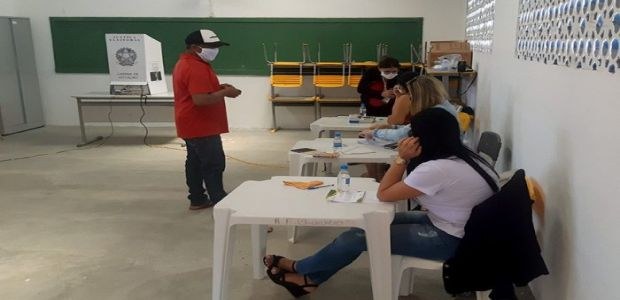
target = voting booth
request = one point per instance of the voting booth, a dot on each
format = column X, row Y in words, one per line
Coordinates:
column 136, row 64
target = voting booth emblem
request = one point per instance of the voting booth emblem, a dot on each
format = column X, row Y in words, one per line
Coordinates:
column 126, row 56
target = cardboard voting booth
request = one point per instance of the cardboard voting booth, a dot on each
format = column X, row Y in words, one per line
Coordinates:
column 136, row 64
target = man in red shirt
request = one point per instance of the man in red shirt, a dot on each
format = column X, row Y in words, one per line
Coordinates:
column 200, row 117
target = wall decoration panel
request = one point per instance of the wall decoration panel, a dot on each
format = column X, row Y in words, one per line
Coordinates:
column 583, row 34
column 479, row 29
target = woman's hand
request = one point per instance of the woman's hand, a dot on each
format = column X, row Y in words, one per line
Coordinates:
column 409, row 148
column 388, row 94
column 398, row 90
column 367, row 134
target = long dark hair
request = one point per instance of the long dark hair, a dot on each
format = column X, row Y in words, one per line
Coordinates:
column 439, row 135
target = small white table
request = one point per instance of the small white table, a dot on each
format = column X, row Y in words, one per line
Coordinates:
column 340, row 123
column 107, row 99
column 352, row 152
column 270, row 202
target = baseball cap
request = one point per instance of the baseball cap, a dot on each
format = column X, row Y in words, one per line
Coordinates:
column 204, row 37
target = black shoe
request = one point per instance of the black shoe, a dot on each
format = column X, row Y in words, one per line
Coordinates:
column 201, row 205
column 295, row 290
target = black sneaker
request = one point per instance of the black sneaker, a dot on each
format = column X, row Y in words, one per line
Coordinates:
column 200, row 206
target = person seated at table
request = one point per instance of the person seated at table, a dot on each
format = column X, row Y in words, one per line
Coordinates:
column 449, row 182
column 426, row 92
column 401, row 113
column 375, row 87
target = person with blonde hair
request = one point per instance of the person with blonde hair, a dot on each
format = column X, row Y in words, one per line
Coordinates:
column 425, row 92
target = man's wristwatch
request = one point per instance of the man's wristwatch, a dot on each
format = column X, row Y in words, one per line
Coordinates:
column 400, row 161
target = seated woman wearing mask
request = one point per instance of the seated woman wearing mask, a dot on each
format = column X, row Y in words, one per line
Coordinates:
column 450, row 180
column 376, row 85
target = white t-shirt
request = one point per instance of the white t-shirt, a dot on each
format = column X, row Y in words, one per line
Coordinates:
column 451, row 189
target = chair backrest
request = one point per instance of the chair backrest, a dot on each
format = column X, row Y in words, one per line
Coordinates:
column 329, row 74
column 286, row 74
column 464, row 121
column 537, row 195
column 489, row 144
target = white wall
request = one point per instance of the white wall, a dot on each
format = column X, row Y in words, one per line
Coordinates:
column 7, row 8
column 559, row 124
column 443, row 20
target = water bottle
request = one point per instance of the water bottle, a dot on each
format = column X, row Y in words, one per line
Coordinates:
column 362, row 110
column 344, row 180
column 337, row 142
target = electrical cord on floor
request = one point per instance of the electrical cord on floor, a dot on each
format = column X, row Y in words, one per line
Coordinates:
column 53, row 153
column 229, row 157
column 144, row 140
column 86, row 147
column 143, row 97
column 146, row 129
column 107, row 137
column 256, row 164
column 146, row 133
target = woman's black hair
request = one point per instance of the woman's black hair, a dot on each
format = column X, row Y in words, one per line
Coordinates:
column 440, row 138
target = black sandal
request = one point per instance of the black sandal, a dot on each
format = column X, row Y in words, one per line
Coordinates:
column 275, row 260
column 293, row 288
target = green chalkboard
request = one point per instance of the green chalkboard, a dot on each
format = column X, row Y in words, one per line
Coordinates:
column 79, row 43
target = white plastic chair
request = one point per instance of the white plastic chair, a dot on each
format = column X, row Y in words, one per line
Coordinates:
column 402, row 274
column 402, row 266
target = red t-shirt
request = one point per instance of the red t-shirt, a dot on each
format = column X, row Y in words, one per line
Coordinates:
column 191, row 76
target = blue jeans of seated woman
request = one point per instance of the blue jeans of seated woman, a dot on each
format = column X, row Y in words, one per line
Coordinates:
column 411, row 234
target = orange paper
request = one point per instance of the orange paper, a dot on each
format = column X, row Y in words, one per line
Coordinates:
column 303, row 185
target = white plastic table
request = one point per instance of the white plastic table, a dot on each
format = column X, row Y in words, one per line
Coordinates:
column 352, row 152
column 340, row 123
column 270, row 202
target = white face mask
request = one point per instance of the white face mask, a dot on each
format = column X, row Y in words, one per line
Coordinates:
column 208, row 54
column 388, row 76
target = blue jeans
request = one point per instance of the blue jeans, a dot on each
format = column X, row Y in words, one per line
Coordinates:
column 411, row 234
column 205, row 163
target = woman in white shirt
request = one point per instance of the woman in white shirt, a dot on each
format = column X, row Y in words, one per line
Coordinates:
column 449, row 181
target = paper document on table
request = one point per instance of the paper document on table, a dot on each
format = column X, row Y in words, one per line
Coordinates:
column 357, row 150
column 345, row 197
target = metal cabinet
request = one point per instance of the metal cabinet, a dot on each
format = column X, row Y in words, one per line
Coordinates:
column 20, row 97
